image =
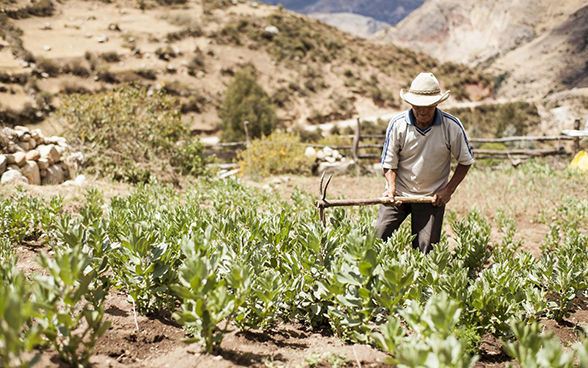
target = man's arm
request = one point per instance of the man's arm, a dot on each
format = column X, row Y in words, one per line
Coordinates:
column 390, row 175
column 444, row 195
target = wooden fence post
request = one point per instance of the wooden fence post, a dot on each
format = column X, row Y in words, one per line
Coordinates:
column 246, row 127
column 576, row 139
column 356, row 139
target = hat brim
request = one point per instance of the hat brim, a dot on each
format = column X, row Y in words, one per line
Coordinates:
column 423, row 100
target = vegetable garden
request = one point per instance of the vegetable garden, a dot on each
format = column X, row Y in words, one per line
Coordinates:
column 222, row 256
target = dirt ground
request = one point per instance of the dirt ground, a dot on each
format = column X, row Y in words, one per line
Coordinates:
column 157, row 341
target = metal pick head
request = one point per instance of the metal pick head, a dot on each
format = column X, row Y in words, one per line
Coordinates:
column 323, row 190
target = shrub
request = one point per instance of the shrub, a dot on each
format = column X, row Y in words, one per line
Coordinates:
column 280, row 153
column 48, row 66
column 245, row 100
column 129, row 134
column 110, row 57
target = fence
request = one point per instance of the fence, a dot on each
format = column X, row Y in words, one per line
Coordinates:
column 513, row 154
column 483, row 153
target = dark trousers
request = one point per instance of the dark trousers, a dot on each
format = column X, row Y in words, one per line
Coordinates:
column 427, row 221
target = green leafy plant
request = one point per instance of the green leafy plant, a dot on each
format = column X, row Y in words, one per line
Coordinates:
column 71, row 300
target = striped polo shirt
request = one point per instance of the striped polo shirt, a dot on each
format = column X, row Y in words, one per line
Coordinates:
column 422, row 157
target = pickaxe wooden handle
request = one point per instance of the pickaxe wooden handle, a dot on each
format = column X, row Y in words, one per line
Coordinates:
column 364, row 202
column 323, row 203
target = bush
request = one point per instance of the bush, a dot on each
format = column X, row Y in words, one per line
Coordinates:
column 280, row 153
column 130, row 134
column 245, row 100
column 512, row 118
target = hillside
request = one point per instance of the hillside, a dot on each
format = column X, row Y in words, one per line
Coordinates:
column 536, row 47
column 389, row 11
column 313, row 72
column 355, row 24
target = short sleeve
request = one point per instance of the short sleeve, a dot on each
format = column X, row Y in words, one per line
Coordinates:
column 460, row 146
column 391, row 146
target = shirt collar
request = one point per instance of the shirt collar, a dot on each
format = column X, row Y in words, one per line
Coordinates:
column 411, row 119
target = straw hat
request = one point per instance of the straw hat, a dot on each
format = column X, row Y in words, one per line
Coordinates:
column 424, row 91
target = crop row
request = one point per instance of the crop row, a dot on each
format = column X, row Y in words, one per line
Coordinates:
column 223, row 256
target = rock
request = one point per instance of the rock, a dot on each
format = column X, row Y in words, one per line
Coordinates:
column 14, row 177
column 55, row 139
column 12, row 167
column 272, row 30
column 3, row 88
column 54, row 175
column 101, row 39
column 43, row 174
column 43, row 163
column 81, row 181
column 254, row 4
column 24, row 145
column 18, row 158
column 60, row 149
column 320, row 155
column 33, row 155
column 328, row 151
column 30, row 170
column 310, row 151
column 3, row 163
column 36, row 134
column 32, row 144
column 50, row 153
column 47, row 48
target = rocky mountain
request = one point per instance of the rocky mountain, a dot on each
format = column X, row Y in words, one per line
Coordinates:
column 534, row 46
column 355, row 24
column 388, row 11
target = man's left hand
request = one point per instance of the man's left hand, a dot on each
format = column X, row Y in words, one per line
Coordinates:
column 442, row 197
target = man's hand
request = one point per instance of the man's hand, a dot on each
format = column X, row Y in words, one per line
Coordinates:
column 442, row 197
column 391, row 193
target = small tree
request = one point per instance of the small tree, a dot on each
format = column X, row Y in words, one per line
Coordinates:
column 246, row 100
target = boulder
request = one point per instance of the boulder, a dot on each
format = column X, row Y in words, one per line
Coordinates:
column 81, row 181
column 24, row 145
column 33, row 155
column 3, row 163
column 17, row 158
column 54, row 175
column 43, row 163
column 30, row 170
column 310, row 151
column 20, row 128
column 13, row 167
column 14, row 177
column 32, row 143
column 43, row 174
column 50, row 153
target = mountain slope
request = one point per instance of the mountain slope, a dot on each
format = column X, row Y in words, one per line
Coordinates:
column 537, row 46
column 388, row 11
column 313, row 72
column 355, row 24
column 553, row 62
column 475, row 31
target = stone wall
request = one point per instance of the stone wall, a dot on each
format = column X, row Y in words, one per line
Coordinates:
column 26, row 156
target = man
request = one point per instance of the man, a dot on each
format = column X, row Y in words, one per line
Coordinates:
column 416, row 161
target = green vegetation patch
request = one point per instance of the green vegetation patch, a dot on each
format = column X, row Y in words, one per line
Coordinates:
column 246, row 100
column 500, row 120
column 132, row 135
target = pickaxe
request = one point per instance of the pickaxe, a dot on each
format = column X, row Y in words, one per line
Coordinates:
column 323, row 203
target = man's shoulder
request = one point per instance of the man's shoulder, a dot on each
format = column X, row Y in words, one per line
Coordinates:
column 398, row 118
column 449, row 119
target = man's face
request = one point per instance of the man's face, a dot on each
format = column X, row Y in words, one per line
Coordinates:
column 424, row 114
